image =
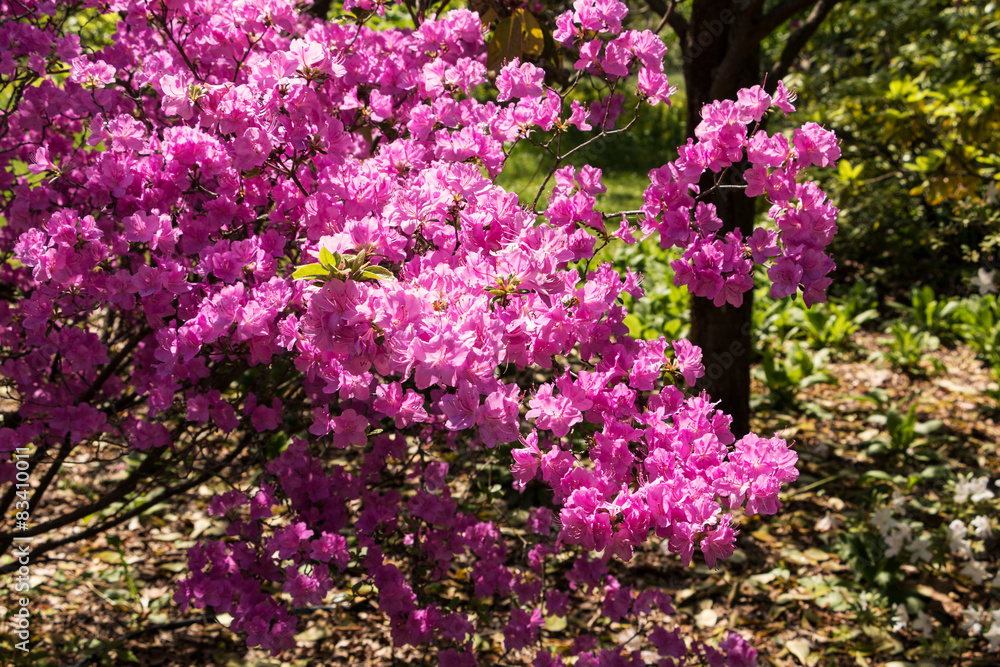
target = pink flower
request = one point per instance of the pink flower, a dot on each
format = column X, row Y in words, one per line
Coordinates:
column 499, row 416
column 668, row 643
column 526, row 461
column 91, row 75
column 522, row 629
column 286, row 541
column 782, row 99
column 349, row 429
column 763, row 244
column 688, row 359
column 753, row 104
column 719, row 543
column 330, row 548
column 739, row 652
column 460, row 409
column 520, row 80
column 264, row 418
column 767, row 151
column 555, row 413
column 176, row 97
column 814, row 145
column 785, row 275
column 655, row 86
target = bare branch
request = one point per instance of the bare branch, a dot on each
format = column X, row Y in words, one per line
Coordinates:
column 118, row 493
column 797, row 41
column 210, row 471
column 775, row 18
column 670, row 16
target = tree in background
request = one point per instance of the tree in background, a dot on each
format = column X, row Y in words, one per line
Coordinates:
column 912, row 88
column 725, row 46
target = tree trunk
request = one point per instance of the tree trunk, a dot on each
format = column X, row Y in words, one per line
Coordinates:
column 720, row 57
column 321, row 8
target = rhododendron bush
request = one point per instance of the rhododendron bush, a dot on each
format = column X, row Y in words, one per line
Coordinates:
column 232, row 229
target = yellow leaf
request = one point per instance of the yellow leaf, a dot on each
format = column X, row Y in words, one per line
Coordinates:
column 110, row 557
column 555, row 623
column 517, row 36
column 800, row 648
column 533, row 37
column 485, row 10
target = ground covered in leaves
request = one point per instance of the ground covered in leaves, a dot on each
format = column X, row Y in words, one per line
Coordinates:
column 810, row 586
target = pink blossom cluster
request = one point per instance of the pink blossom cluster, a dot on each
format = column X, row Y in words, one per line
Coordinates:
column 721, row 269
column 177, row 178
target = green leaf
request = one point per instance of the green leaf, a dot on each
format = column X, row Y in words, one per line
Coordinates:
column 311, row 271
column 848, row 172
column 927, row 427
column 375, row 272
column 328, row 259
column 877, row 474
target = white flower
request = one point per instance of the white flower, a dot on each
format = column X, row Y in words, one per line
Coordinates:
column 956, row 539
column 882, row 519
column 828, row 522
column 967, row 488
column 985, row 279
column 919, row 550
column 924, row 623
column 974, row 570
column 993, row 636
column 971, row 618
column 897, row 540
column 901, row 618
column 981, row 527
column 982, row 490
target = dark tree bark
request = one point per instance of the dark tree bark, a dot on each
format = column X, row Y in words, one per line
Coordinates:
column 720, row 58
column 321, row 8
column 720, row 45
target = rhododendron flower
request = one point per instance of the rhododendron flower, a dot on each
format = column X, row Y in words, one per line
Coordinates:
column 555, row 413
column 688, row 359
column 498, row 416
column 719, row 543
column 522, row 628
column 526, row 461
column 785, row 274
column 655, row 86
column 739, row 652
column 670, row 643
column 814, row 145
column 517, row 79
column 91, row 74
column 783, row 99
